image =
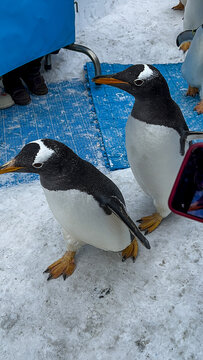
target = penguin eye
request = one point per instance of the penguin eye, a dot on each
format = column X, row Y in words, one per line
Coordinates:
column 37, row 165
column 138, row 82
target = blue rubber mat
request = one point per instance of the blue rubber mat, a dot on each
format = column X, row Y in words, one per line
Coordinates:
column 64, row 114
column 91, row 122
column 112, row 107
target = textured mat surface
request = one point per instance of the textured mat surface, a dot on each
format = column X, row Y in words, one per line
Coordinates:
column 92, row 122
column 112, row 107
column 65, row 114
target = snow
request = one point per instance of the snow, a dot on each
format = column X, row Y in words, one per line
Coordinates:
column 122, row 32
column 150, row 309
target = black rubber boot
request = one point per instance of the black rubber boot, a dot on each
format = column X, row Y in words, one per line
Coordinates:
column 14, row 87
column 33, row 79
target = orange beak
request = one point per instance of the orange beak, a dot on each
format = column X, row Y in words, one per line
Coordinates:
column 9, row 167
column 107, row 80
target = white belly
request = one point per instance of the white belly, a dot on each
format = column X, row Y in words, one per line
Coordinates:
column 83, row 219
column 154, row 156
column 192, row 68
column 193, row 14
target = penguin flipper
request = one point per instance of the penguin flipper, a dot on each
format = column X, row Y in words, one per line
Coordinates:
column 116, row 206
column 189, row 136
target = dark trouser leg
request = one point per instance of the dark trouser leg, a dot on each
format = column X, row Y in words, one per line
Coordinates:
column 13, row 86
column 33, row 79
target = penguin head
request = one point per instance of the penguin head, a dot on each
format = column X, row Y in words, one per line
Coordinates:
column 141, row 81
column 43, row 156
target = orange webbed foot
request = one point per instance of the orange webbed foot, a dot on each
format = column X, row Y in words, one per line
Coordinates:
column 150, row 223
column 180, row 6
column 199, row 107
column 64, row 266
column 192, row 91
column 130, row 251
column 185, row 46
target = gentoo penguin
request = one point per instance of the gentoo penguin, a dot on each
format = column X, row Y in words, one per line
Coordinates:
column 192, row 68
column 193, row 18
column 180, row 6
column 87, row 204
column 193, row 14
column 154, row 131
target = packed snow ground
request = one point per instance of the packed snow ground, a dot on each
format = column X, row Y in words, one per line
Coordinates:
column 107, row 309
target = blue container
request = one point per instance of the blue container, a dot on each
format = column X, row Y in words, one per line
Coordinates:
column 33, row 28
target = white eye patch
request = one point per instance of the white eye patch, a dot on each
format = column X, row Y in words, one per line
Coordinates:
column 44, row 152
column 146, row 73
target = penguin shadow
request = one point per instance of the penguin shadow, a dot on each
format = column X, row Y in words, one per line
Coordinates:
column 90, row 259
column 93, row 264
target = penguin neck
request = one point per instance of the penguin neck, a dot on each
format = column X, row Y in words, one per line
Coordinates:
column 148, row 109
column 159, row 110
column 64, row 177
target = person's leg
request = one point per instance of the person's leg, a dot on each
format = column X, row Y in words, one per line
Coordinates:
column 33, row 79
column 14, row 87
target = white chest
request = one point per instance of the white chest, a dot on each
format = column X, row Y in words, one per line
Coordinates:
column 154, row 156
column 83, row 219
column 192, row 68
column 193, row 14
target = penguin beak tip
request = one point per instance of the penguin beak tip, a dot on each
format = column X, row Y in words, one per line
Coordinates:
column 9, row 167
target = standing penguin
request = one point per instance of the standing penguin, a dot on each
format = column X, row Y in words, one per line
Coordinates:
column 193, row 18
column 192, row 68
column 153, row 133
column 193, row 14
column 88, row 205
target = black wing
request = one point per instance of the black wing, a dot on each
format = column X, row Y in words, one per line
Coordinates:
column 189, row 136
column 115, row 205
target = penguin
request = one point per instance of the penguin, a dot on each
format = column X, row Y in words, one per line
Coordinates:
column 87, row 204
column 156, row 135
column 193, row 14
column 192, row 68
column 193, row 18
column 180, row 6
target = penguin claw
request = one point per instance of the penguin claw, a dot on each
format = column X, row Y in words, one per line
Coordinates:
column 192, row 91
column 130, row 251
column 46, row 271
column 150, row 223
column 65, row 266
column 199, row 107
column 185, row 46
column 180, row 6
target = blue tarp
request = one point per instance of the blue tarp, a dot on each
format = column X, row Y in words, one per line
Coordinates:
column 30, row 29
